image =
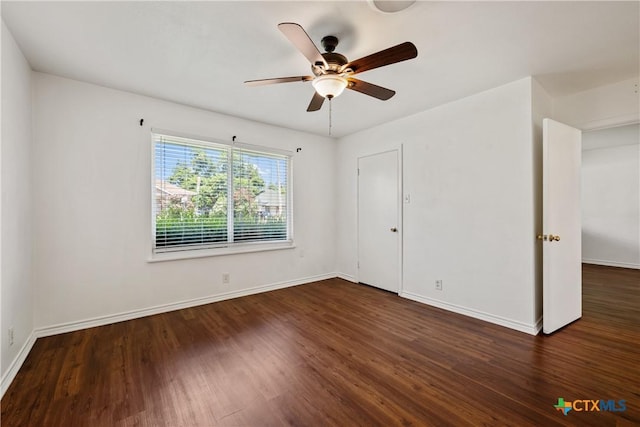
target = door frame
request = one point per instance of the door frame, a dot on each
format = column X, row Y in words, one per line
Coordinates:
column 399, row 206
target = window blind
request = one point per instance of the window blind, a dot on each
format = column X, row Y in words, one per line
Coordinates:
column 209, row 195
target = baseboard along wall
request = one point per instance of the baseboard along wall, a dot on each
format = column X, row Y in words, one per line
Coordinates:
column 532, row 329
column 611, row 263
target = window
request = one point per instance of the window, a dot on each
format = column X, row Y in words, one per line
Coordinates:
column 212, row 195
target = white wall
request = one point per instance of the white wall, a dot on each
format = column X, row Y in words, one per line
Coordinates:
column 15, row 224
column 469, row 169
column 611, row 196
column 605, row 106
column 92, row 219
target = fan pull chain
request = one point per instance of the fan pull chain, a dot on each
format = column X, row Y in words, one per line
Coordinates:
column 330, row 104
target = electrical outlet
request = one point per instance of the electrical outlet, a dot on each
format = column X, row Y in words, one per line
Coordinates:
column 11, row 335
column 226, row 277
column 438, row 285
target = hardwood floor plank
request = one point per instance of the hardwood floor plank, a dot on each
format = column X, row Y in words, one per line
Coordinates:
column 334, row 353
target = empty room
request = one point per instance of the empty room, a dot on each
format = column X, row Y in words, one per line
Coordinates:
column 312, row 213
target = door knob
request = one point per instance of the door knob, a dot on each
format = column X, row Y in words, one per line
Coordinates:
column 394, row 229
column 551, row 237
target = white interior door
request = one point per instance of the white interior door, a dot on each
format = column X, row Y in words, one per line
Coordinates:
column 378, row 225
column 561, row 234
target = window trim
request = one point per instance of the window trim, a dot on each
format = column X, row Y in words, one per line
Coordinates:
column 239, row 248
column 229, row 247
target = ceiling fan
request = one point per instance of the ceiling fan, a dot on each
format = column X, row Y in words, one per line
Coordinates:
column 332, row 72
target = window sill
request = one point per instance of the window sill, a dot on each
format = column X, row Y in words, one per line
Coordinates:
column 205, row 253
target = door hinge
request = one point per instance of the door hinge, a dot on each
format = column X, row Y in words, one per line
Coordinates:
column 358, row 171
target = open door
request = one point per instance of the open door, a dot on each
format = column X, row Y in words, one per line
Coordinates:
column 561, row 234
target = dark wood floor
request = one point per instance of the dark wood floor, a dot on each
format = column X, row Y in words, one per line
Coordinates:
column 336, row 353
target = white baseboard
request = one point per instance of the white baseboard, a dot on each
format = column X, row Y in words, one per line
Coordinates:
column 347, row 277
column 164, row 308
column 532, row 329
column 538, row 326
column 610, row 263
column 15, row 366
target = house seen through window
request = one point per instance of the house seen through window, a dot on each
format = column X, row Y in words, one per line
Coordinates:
column 209, row 195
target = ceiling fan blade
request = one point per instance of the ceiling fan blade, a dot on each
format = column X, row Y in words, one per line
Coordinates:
column 316, row 102
column 370, row 89
column 301, row 40
column 398, row 53
column 278, row 80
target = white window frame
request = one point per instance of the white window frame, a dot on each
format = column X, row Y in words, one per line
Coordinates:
column 229, row 247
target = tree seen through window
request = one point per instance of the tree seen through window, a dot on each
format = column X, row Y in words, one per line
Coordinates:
column 192, row 206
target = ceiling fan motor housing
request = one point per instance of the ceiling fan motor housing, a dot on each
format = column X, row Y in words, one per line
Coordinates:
column 334, row 60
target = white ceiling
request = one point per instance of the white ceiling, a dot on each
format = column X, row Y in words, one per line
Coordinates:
column 199, row 53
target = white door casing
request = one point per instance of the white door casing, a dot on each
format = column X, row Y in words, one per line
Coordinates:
column 561, row 222
column 379, row 233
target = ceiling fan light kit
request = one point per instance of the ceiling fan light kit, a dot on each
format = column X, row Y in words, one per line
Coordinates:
column 332, row 72
column 329, row 85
